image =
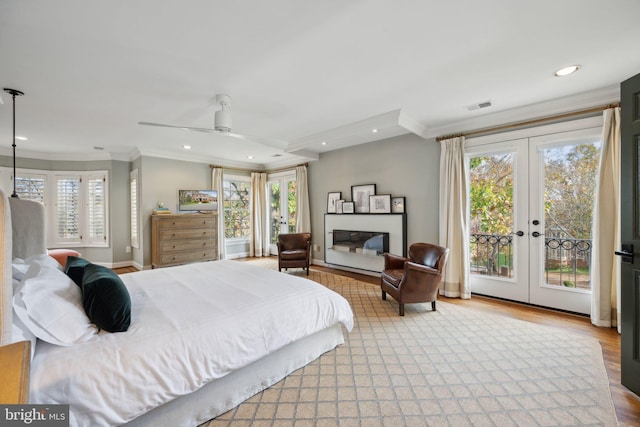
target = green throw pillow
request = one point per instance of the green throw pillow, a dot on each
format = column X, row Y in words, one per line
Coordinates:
column 74, row 268
column 106, row 299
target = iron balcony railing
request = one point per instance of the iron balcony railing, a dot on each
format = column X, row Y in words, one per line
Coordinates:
column 567, row 260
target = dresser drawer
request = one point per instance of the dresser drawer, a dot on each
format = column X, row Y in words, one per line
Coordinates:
column 188, row 256
column 181, row 234
column 185, row 245
column 195, row 221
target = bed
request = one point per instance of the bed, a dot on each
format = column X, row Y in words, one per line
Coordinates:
column 202, row 337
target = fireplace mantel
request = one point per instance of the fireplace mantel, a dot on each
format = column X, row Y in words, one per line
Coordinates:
column 362, row 259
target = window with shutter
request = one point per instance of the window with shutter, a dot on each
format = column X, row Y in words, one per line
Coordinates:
column 133, row 188
column 96, row 204
column 31, row 187
column 68, row 208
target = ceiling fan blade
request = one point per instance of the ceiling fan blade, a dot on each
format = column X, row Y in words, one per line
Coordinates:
column 270, row 142
column 206, row 130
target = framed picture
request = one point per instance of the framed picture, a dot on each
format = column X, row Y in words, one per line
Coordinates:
column 331, row 201
column 360, row 196
column 380, row 203
column 339, row 206
column 397, row 204
column 347, row 207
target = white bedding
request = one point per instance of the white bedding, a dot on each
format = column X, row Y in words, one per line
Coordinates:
column 190, row 325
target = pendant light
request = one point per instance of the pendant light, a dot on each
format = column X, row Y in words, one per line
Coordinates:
column 14, row 93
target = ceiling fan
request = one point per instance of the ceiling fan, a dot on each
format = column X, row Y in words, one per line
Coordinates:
column 222, row 126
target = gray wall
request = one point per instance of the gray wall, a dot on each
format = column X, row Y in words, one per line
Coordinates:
column 402, row 166
column 160, row 181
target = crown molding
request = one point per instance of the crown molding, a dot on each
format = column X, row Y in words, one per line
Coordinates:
column 594, row 98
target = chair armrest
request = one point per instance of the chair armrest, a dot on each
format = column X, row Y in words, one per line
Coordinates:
column 393, row 262
column 412, row 267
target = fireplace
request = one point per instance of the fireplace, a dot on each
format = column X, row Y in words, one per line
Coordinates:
column 358, row 241
column 361, row 242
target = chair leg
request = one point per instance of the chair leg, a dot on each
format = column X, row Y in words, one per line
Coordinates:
column 401, row 309
column 307, row 271
column 433, row 305
column 384, row 296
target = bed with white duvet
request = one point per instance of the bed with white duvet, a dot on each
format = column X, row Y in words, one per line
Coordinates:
column 203, row 338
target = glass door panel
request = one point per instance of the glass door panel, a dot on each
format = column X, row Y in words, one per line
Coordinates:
column 564, row 171
column 497, row 224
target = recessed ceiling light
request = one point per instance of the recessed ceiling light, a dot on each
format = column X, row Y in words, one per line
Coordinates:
column 323, row 143
column 250, row 157
column 374, row 130
column 186, row 147
column 566, row 70
column 22, row 138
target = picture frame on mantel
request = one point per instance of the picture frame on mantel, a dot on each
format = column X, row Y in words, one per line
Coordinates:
column 339, row 206
column 380, row 204
column 332, row 198
column 360, row 196
column 347, row 207
column 398, row 205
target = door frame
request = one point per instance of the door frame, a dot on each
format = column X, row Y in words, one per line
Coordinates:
column 282, row 178
column 481, row 145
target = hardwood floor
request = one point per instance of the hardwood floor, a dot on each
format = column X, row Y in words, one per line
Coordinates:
column 627, row 404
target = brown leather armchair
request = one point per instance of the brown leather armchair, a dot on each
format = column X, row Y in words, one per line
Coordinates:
column 294, row 250
column 416, row 278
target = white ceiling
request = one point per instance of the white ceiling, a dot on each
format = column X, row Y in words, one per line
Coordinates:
column 299, row 71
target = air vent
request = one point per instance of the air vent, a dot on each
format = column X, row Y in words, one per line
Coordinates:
column 479, row 105
column 277, row 155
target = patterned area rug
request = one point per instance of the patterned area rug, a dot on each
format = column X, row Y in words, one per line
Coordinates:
column 453, row 367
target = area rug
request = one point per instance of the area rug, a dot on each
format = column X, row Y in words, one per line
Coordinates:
column 453, row 367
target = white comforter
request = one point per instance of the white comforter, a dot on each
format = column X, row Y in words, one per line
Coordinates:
column 190, row 325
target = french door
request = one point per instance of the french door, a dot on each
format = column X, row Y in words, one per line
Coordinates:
column 531, row 203
column 282, row 207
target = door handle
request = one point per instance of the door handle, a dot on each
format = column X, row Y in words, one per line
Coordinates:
column 626, row 253
column 536, row 234
column 518, row 233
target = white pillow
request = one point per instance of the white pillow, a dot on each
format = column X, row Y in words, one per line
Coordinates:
column 49, row 303
column 19, row 266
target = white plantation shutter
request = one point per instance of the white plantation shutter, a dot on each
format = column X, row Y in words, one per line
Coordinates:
column 96, row 209
column 133, row 187
column 31, row 187
column 81, row 209
column 68, row 208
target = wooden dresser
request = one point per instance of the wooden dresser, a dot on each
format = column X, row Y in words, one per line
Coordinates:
column 181, row 239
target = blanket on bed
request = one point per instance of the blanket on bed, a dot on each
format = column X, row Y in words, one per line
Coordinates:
column 190, row 325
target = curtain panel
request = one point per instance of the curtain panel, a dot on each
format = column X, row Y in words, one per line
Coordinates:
column 217, row 184
column 303, row 210
column 259, row 242
column 453, row 218
column 605, row 266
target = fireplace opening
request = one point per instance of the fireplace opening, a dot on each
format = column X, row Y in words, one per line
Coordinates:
column 361, row 242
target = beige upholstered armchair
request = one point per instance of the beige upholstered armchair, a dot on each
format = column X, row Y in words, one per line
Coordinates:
column 416, row 278
column 294, row 250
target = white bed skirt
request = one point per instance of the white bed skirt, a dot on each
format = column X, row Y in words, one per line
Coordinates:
column 221, row 395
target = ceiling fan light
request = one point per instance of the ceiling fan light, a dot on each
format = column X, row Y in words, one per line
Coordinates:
column 222, row 121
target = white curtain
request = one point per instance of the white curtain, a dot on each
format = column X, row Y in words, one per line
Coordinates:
column 259, row 243
column 217, row 184
column 303, row 211
column 605, row 266
column 453, row 218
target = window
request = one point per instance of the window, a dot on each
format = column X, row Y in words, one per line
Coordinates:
column 76, row 203
column 133, row 189
column 31, row 187
column 80, row 211
column 237, row 207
